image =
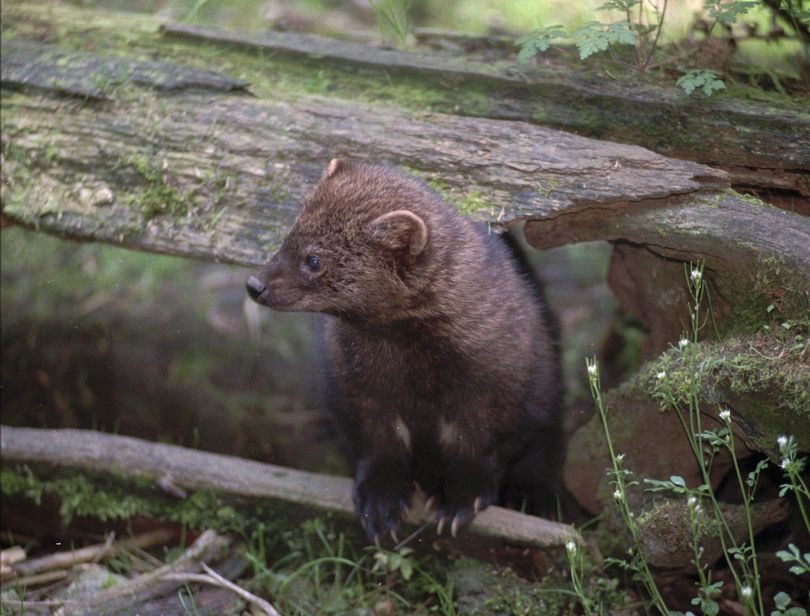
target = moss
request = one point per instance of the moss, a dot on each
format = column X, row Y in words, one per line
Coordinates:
column 284, row 76
column 778, row 295
column 764, row 379
column 471, row 203
column 485, row 590
column 158, row 197
column 108, row 498
column 20, row 481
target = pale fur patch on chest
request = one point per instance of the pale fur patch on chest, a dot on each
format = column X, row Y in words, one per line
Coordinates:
column 402, row 432
column 450, row 436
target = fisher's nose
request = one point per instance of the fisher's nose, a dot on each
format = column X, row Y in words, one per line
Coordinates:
column 254, row 287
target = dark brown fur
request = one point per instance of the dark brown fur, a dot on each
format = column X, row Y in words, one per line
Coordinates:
column 441, row 364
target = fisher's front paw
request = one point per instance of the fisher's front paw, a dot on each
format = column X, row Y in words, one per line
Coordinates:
column 469, row 487
column 382, row 492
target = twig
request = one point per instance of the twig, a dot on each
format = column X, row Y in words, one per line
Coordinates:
column 11, row 555
column 213, row 578
column 91, row 553
column 34, row 604
column 37, row 580
column 114, row 600
column 105, row 549
column 412, row 536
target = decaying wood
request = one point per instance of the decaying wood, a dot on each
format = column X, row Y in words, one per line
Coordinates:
column 210, row 173
column 121, row 597
column 114, row 600
column 31, row 64
column 732, row 134
column 197, row 470
column 90, row 553
column 208, row 601
column 751, row 139
column 228, row 171
column 737, row 239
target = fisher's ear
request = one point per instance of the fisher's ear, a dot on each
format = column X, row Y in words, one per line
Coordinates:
column 400, row 231
column 334, row 167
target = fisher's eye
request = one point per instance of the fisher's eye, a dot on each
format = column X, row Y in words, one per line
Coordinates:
column 313, row 263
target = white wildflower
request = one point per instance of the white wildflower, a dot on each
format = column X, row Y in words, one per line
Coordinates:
column 592, row 369
column 691, row 502
column 785, row 463
column 571, row 547
column 682, row 343
column 695, row 275
column 661, row 375
column 725, row 415
column 617, row 494
column 619, row 457
column 746, row 592
column 782, row 441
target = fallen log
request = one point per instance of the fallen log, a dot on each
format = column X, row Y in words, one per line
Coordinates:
column 228, row 476
column 754, row 255
column 219, row 175
column 761, row 143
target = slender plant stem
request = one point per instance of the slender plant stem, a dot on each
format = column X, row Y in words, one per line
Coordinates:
column 657, row 36
column 747, row 498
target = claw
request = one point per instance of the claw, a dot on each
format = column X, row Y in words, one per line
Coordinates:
column 440, row 525
column 394, row 536
column 430, row 503
column 477, row 504
column 454, row 527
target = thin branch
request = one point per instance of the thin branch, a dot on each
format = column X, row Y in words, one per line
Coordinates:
column 213, row 578
column 91, row 553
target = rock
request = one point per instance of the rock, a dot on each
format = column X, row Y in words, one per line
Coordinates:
column 667, row 539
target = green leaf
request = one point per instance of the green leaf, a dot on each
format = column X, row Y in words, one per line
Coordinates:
column 538, row 41
column 705, row 80
column 667, row 486
column 618, row 5
column 781, row 600
column 728, row 12
column 406, row 569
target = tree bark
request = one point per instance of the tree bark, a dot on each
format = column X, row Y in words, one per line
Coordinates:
column 197, row 470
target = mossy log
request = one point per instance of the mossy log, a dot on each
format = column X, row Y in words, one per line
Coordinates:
column 762, row 144
column 754, row 255
column 759, row 144
column 215, row 174
column 180, row 469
